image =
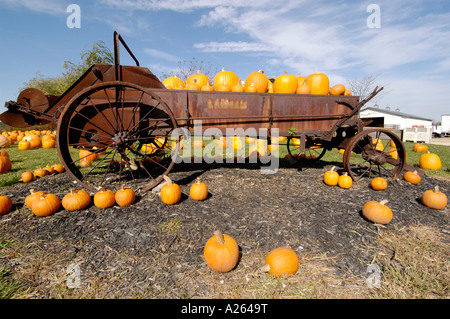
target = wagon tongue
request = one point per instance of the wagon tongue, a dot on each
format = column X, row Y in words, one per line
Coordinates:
column 20, row 120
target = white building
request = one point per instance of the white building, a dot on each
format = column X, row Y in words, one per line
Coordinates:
column 413, row 128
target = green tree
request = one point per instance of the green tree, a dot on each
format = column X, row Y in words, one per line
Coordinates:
column 58, row 85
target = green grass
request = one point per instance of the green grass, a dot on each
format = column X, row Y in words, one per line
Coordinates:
column 29, row 160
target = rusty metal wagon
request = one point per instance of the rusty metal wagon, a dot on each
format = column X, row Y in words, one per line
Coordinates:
column 124, row 117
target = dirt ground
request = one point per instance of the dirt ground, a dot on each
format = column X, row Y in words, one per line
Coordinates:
column 152, row 250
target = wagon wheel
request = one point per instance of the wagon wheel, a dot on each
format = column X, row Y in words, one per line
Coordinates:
column 375, row 152
column 116, row 133
column 311, row 154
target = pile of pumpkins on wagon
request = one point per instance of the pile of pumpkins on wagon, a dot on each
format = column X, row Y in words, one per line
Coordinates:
column 221, row 251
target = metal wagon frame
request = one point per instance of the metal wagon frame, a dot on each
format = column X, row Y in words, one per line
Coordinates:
column 124, row 117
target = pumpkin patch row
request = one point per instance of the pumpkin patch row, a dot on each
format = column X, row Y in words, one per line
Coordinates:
column 42, row 203
column 257, row 82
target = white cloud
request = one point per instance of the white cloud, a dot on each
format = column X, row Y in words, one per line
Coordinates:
column 239, row 46
column 162, row 55
column 41, row 6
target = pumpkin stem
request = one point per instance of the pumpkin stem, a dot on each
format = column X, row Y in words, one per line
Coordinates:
column 436, row 189
column 384, row 202
column 219, row 236
column 167, row 179
column 265, row 268
column 73, row 191
column 332, row 169
column 415, row 172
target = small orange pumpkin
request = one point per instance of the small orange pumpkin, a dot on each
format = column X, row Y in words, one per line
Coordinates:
column 104, row 198
column 281, row 261
column 45, row 205
column 420, row 148
column 5, row 205
column 32, row 197
column 331, row 177
column 170, row 192
column 27, row 177
column 199, row 190
column 378, row 184
column 76, row 200
column 338, row 89
column 345, row 181
column 303, row 89
column 412, row 177
column 221, row 252
column 434, row 198
column 125, row 196
column 377, row 212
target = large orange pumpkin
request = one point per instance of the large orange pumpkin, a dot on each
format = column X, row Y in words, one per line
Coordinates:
column 174, row 83
column 430, row 161
column 319, row 83
column 258, row 80
column 225, row 78
column 285, row 83
column 199, row 78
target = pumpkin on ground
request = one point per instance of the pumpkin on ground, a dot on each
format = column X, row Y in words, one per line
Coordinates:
column 24, row 145
column 430, row 161
column 412, row 177
column 281, row 261
column 27, row 177
column 76, row 200
column 331, row 177
column 32, row 197
column 4, row 141
column 379, row 184
column 434, row 199
column 170, row 192
column 5, row 164
column 45, row 205
column 104, row 198
column 199, row 190
column 221, row 252
column 345, row 181
column 377, row 212
column 420, row 148
column 5, row 204
column 125, row 196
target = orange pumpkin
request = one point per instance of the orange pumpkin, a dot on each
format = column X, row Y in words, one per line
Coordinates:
column 378, row 184
column 32, row 197
column 257, row 80
column 27, row 177
column 5, row 205
column 5, row 164
column 221, row 252
column 170, row 192
column 174, row 83
column 125, row 196
column 198, row 78
column 104, row 198
column 338, row 89
column 331, row 177
column 345, row 181
column 430, row 161
column 285, row 83
column 377, row 212
column 319, row 83
column 199, row 190
column 281, row 261
column 434, row 198
column 223, row 77
column 45, row 205
column 420, row 148
column 412, row 177
column 76, row 200
column 303, row 89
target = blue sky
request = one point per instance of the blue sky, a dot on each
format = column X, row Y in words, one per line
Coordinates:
column 410, row 51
